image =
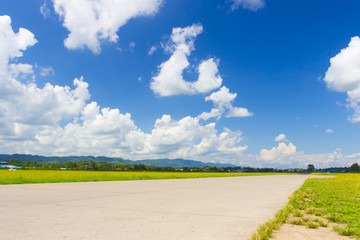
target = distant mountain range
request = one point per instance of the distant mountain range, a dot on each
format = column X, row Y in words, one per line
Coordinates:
column 174, row 163
column 178, row 163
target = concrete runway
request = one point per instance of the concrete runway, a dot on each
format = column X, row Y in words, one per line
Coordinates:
column 207, row 208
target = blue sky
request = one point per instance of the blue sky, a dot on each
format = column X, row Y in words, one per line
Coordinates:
column 224, row 79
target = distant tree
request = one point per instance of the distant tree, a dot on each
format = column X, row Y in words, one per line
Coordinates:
column 139, row 167
column 83, row 165
column 311, row 168
column 13, row 162
column 71, row 165
column 104, row 166
column 354, row 168
column 92, row 163
column 118, row 165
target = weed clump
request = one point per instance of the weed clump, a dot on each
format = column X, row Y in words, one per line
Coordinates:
column 312, row 225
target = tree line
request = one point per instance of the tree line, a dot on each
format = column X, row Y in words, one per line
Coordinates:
column 92, row 165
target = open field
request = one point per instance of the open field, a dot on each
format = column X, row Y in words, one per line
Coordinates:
column 321, row 203
column 56, row 176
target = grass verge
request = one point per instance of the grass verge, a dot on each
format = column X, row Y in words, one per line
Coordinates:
column 337, row 200
column 323, row 201
column 55, row 176
column 265, row 230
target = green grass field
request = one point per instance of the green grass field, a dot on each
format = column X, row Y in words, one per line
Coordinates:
column 54, row 176
column 320, row 202
column 334, row 199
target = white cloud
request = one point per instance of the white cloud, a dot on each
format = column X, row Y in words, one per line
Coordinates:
column 238, row 112
column 109, row 132
column 186, row 35
column 45, row 10
column 300, row 159
column 181, row 136
column 209, row 79
column 170, row 81
column 57, row 120
column 325, row 160
column 214, row 113
column 252, row 5
column 46, row 71
column 152, row 50
column 279, row 152
column 132, row 46
column 287, row 156
column 25, row 108
column 20, row 68
column 91, row 22
column 329, row 131
column 280, row 138
column 343, row 75
column 222, row 100
column 12, row 44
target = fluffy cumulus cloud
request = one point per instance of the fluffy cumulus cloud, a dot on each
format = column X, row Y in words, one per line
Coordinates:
column 325, row 160
column 222, row 100
column 21, row 69
column 280, row 138
column 214, row 113
column 343, row 75
column 12, row 44
column 238, row 112
column 285, row 155
column 252, row 5
column 300, row 159
column 91, row 22
column 280, row 153
column 98, row 131
column 169, row 81
column 60, row 120
column 109, row 132
column 188, row 138
column 276, row 153
column 25, row 108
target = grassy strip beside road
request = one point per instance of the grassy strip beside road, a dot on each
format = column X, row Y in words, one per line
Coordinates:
column 320, row 202
column 55, row 176
column 264, row 231
column 335, row 199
